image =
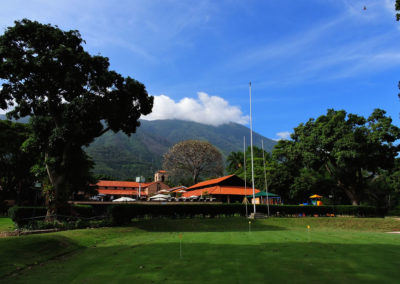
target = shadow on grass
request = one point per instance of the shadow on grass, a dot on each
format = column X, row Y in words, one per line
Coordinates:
column 204, row 225
column 17, row 252
column 287, row 262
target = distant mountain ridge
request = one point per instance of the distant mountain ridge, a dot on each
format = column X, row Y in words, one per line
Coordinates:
column 123, row 157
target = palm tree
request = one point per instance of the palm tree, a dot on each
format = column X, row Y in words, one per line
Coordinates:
column 235, row 162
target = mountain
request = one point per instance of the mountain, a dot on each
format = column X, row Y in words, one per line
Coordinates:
column 141, row 154
column 123, row 157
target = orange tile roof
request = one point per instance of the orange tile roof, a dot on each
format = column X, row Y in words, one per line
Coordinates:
column 120, row 192
column 114, row 183
column 221, row 190
column 177, row 188
column 162, row 171
column 210, row 182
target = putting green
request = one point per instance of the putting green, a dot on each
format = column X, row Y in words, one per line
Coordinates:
column 333, row 250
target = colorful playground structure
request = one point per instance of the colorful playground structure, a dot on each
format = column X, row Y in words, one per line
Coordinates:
column 314, row 200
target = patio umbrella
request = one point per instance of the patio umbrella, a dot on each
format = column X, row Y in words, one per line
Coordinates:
column 159, row 196
column 163, row 190
column 181, row 191
column 124, row 199
column 315, row 196
column 159, row 199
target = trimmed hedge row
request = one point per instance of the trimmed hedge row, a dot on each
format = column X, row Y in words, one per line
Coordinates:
column 22, row 216
column 124, row 213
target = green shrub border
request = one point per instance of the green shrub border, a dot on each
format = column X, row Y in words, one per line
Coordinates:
column 25, row 216
column 120, row 214
column 123, row 213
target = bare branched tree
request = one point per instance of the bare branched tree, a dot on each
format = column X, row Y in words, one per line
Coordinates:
column 193, row 158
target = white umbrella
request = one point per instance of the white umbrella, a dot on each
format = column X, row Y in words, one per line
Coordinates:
column 181, row 191
column 163, row 190
column 159, row 196
column 159, row 199
column 124, row 199
column 193, row 196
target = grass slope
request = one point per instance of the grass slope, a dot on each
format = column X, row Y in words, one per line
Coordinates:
column 337, row 250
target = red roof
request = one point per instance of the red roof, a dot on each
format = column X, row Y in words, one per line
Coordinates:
column 162, row 171
column 221, row 190
column 210, row 182
column 120, row 192
column 112, row 183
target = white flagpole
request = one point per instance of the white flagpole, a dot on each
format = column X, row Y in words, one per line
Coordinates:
column 265, row 176
column 244, row 168
column 251, row 146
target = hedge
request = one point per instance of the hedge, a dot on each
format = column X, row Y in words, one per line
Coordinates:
column 22, row 216
column 124, row 213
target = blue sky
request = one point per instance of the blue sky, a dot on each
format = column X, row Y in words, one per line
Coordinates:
column 197, row 57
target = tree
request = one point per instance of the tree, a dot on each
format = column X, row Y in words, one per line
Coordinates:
column 16, row 178
column 235, row 166
column 235, row 162
column 351, row 149
column 71, row 97
column 193, row 158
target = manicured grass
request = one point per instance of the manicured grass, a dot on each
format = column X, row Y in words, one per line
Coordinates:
column 281, row 250
column 6, row 224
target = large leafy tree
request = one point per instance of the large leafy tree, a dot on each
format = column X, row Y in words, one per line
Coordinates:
column 16, row 178
column 71, row 96
column 194, row 159
column 351, row 149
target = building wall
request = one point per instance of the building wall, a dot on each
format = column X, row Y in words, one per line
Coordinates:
column 157, row 186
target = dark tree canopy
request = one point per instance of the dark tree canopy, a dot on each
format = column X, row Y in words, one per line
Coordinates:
column 71, row 96
column 16, row 178
column 193, row 158
column 351, row 149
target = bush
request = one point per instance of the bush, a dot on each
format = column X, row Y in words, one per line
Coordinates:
column 124, row 213
column 23, row 215
column 395, row 211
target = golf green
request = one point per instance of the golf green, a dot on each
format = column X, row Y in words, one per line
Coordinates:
column 221, row 250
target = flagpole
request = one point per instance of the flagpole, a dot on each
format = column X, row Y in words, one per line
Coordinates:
column 251, row 146
column 265, row 176
column 244, row 168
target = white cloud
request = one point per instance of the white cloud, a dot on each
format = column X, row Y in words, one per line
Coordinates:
column 205, row 109
column 285, row 135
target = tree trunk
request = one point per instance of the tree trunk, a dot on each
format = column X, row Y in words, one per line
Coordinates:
column 57, row 192
column 352, row 195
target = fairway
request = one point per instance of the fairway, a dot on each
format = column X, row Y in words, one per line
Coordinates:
column 221, row 250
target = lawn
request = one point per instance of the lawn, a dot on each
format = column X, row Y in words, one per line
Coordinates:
column 282, row 250
column 6, row 225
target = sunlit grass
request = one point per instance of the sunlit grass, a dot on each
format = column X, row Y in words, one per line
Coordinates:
column 226, row 250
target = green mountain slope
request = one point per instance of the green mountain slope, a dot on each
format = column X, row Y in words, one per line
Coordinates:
column 141, row 154
column 123, row 157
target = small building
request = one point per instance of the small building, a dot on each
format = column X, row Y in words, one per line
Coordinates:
column 114, row 189
column 229, row 189
column 161, row 175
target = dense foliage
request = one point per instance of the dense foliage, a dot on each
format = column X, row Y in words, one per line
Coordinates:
column 16, row 177
column 71, row 96
column 343, row 156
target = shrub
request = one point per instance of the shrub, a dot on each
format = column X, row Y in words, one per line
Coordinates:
column 23, row 215
column 124, row 213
